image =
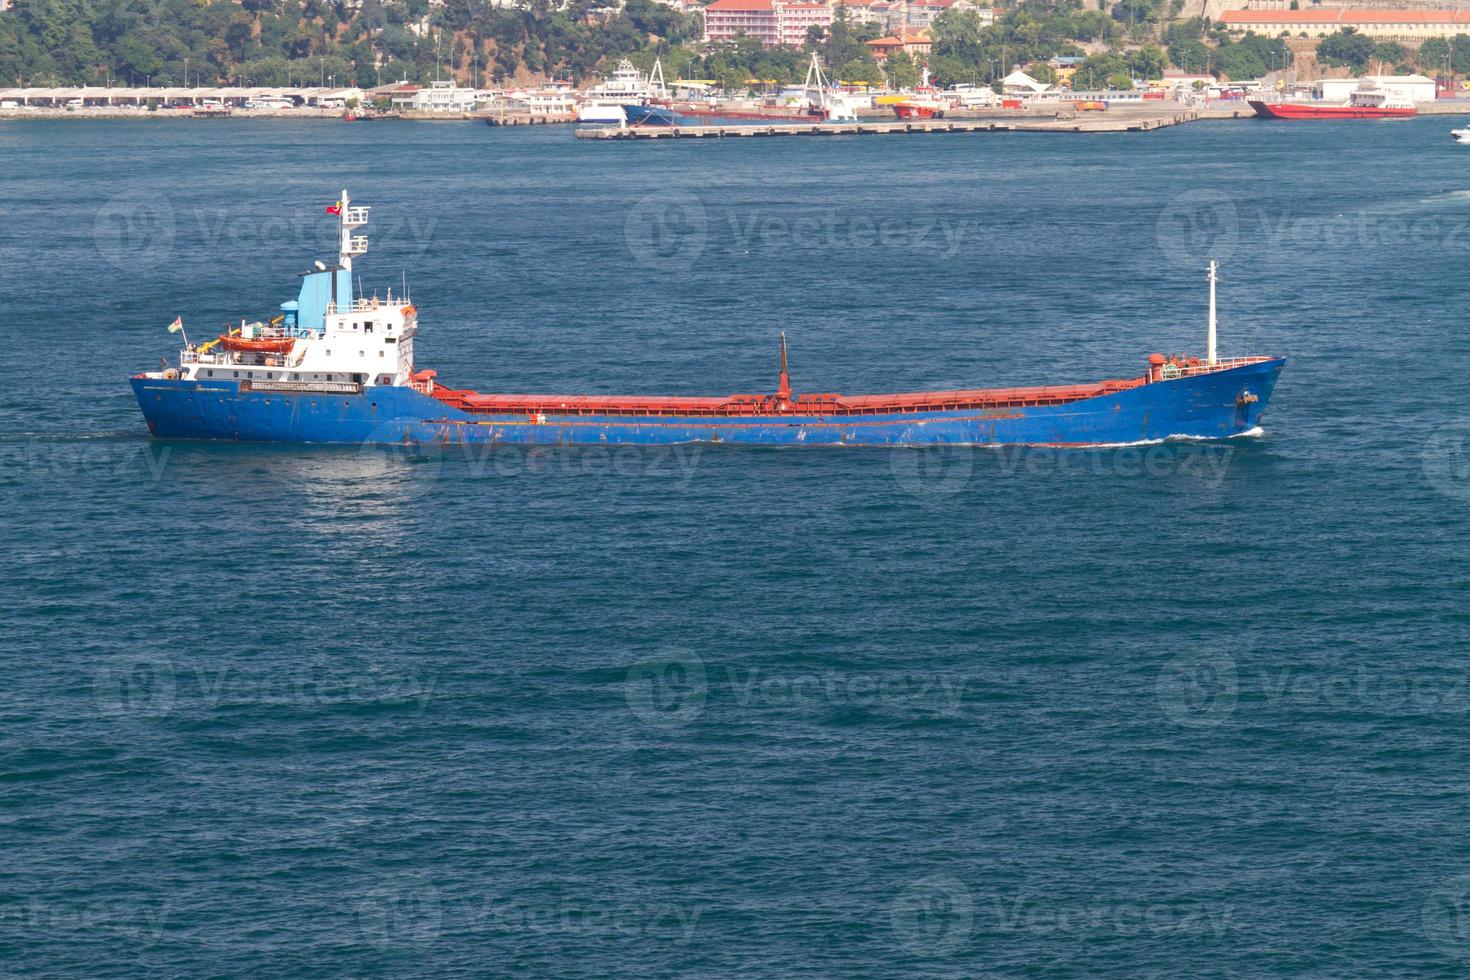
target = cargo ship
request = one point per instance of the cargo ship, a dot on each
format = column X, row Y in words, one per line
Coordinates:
column 1368, row 101
column 338, row 366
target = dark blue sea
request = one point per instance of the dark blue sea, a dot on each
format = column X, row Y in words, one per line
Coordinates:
column 1163, row 710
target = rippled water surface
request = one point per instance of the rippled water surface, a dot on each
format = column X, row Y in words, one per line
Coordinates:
column 1168, row 710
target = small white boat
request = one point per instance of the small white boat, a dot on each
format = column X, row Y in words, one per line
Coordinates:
column 1461, row 135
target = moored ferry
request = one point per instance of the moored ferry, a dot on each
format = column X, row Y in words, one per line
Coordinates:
column 1368, row 101
column 338, row 366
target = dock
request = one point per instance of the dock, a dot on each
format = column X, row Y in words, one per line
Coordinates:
column 1121, row 122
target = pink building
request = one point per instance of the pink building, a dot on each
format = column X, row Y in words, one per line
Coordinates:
column 774, row 22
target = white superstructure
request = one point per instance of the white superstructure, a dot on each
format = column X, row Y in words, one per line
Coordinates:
column 603, row 102
column 327, row 339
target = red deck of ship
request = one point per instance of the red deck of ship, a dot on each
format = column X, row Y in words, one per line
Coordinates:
column 810, row 405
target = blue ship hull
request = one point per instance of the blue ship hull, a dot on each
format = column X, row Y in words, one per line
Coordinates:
column 658, row 115
column 1206, row 406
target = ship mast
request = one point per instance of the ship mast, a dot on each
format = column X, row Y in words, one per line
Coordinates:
column 348, row 218
column 783, row 383
column 1210, row 334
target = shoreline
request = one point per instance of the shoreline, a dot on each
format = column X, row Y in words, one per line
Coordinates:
column 1214, row 111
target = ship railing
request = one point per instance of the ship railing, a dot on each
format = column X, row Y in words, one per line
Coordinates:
column 359, row 305
column 194, row 357
column 1172, row 371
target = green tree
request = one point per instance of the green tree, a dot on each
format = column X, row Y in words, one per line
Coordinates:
column 1434, row 55
column 1148, row 62
column 901, row 70
column 1189, row 54
column 1346, row 49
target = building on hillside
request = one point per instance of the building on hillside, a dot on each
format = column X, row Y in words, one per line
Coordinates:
column 922, row 13
column 878, row 12
column 773, row 22
column 1381, row 24
column 1064, row 66
column 916, row 46
column 1415, row 88
column 794, row 20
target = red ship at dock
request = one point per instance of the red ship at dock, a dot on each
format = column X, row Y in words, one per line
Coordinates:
column 1368, row 101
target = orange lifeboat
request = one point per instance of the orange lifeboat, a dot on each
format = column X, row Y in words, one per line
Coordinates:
column 265, row 345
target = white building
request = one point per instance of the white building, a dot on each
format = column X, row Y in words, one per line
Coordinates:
column 1415, row 88
column 438, row 97
column 1020, row 83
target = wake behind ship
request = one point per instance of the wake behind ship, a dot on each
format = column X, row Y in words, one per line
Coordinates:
column 338, row 367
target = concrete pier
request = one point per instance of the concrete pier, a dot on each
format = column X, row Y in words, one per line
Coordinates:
column 1121, row 122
